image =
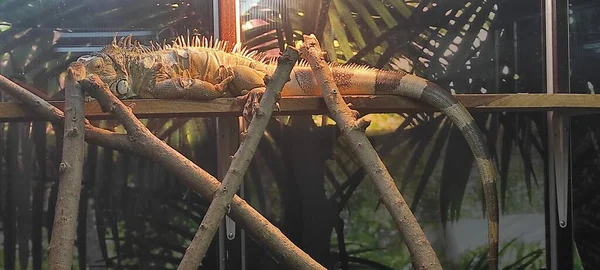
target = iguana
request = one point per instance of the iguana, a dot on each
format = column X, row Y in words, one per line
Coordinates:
column 194, row 68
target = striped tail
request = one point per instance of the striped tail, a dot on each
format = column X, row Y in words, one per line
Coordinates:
column 403, row 84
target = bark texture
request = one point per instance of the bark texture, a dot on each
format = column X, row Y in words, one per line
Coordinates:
column 220, row 204
column 70, row 171
column 93, row 135
column 194, row 177
column 423, row 255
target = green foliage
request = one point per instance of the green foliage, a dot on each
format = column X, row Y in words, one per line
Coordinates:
column 371, row 232
column 519, row 256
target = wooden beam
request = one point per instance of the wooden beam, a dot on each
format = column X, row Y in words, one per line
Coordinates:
column 227, row 21
column 154, row 108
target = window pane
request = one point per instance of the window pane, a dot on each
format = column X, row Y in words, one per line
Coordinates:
column 584, row 28
column 133, row 213
column 465, row 47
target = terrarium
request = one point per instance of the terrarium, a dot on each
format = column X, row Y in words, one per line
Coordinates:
column 333, row 134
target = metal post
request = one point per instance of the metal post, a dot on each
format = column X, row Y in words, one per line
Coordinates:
column 559, row 244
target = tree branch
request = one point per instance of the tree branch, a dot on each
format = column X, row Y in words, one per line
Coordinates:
column 191, row 175
column 70, row 171
column 239, row 164
column 93, row 135
column 352, row 129
column 194, row 177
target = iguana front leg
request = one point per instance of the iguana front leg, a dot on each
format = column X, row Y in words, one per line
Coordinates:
column 249, row 85
column 191, row 88
column 252, row 102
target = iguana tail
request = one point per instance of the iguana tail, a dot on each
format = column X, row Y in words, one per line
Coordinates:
column 403, row 84
column 361, row 80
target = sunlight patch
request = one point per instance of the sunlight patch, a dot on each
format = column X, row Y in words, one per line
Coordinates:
column 381, row 123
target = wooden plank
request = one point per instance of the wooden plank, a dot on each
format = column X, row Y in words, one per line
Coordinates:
column 154, row 108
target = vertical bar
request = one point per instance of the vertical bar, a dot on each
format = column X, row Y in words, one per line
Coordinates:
column 559, row 224
column 216, row 19
column 515, row 33
column 216, row 34
column 222, row 253
column 227, row 144
column 497, row 60
column 228, row 29
column 242, row 126
column 228, row 21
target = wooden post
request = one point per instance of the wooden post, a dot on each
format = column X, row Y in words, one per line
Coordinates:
column 227, row 127
column 227, row 144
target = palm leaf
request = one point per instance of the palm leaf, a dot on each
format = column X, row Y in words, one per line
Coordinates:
column 430, row 165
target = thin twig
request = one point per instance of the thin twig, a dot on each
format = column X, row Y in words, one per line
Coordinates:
column 220, row 204
column 194, row 177
column 70, row 171
column 352, row 129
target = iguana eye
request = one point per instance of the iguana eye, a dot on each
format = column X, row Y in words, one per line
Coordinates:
column 97, row 62
column 122, row 87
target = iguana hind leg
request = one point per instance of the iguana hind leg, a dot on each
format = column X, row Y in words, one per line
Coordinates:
column 192, row 88
column 246, row 79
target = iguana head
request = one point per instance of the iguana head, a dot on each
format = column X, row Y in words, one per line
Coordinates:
column 109, row 65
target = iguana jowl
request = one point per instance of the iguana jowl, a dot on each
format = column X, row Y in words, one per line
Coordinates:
column 198, row 69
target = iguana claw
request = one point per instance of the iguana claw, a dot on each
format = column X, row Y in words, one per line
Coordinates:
column 224, row 73
column 266, row 79
column 252, row 102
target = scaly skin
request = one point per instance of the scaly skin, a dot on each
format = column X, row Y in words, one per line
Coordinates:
column 199, row 69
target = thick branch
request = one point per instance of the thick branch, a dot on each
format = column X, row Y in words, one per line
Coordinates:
column 32, row 101
column 194, row 177
column 239, row 164
column 108, row 139
column 70, row 171
column 93, row 135
column 352, row 129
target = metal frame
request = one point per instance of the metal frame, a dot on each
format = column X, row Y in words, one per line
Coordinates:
column 559, row 223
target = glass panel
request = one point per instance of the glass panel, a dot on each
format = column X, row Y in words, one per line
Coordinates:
column 586, row 201
column 584, row 36
column 465, row 47
column 133, row 213
column 40, row 38
column 585, row 46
